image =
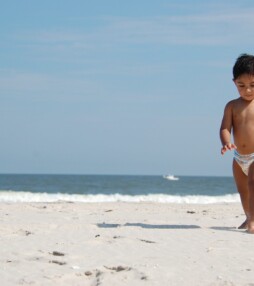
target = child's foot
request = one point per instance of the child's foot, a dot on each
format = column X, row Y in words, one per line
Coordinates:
column 244, row 225
column 250, row 228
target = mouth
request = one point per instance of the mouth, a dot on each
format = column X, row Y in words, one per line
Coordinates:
column 249, row 96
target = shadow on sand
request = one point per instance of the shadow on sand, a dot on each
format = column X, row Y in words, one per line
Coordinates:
column 168, row 226
column 149, row 226
column 228, row 228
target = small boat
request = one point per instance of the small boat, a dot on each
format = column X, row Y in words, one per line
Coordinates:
column 171, row 178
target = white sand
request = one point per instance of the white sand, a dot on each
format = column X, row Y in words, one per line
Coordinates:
column 124, row 244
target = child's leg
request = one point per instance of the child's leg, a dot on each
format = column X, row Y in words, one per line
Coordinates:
column 241, row 181
column 251, row 199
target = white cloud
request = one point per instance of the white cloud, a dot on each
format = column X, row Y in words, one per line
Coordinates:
column 210, row 27
column 27, row 85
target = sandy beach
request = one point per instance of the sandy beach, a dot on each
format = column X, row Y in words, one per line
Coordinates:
column 124, row 244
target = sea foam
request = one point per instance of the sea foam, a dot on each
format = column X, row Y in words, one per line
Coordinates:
column 23, row 197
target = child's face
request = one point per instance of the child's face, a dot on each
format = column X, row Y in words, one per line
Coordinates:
column 245, row 86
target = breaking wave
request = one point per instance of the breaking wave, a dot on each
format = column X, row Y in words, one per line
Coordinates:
column 24, row 197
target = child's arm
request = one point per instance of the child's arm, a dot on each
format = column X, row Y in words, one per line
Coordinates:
column 225, row 129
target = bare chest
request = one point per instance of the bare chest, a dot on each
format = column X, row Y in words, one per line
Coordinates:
column 244, row 116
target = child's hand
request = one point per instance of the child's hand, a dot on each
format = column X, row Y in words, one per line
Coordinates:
column 226, row 147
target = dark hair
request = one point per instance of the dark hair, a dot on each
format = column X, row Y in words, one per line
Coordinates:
column 243, row 65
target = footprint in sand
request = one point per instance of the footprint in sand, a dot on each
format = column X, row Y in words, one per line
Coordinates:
column 57, row 253
column 23, row 232
column 115, row 274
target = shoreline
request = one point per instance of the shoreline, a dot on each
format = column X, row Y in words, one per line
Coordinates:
column 124, row 244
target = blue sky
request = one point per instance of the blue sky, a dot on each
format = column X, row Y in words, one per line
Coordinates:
column 118, row 87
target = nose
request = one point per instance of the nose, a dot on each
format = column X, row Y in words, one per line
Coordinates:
column 248, row 89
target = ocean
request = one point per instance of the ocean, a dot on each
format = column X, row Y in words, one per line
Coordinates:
column 117, row 188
